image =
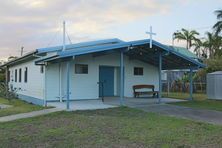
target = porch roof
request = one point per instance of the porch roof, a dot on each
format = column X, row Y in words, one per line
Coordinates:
column 172, row 59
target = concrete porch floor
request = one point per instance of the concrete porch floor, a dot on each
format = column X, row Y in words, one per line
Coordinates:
column 132, row 102
column 109, row 102
column 81, row 105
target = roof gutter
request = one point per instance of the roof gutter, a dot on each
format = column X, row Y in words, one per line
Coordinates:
column 20, row 59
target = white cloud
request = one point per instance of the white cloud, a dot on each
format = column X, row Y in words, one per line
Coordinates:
column 32, row 23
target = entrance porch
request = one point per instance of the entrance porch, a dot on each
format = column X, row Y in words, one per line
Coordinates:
column 110, row 102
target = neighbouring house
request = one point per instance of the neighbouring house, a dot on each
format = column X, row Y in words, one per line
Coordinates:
column 170, row 77
column 93, row 69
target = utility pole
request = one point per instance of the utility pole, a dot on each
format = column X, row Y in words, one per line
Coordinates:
column 64, row 35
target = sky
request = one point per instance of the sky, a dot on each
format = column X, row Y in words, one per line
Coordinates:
column 36, row 24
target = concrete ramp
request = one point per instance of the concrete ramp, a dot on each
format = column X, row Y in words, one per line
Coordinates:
column 82, row 105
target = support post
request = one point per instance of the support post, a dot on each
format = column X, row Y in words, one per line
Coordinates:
column 67, row 86
column 168, row 83
column 45, row 86
column 160, row 78
column 7, row 76
column 191, row 84
column 121, row 77
column 60, row 82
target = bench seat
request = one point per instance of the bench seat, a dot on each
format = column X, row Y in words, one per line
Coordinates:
column 144, row 90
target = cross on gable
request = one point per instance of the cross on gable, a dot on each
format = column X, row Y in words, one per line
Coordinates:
column 151, row 35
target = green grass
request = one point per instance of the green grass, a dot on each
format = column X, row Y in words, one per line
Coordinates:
column 117, row 127
column 18, row 106
column 200, row 101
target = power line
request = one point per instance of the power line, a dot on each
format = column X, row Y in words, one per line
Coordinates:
column 59, row 30
column 201, row 28
column 54, row 37
column 68, row 37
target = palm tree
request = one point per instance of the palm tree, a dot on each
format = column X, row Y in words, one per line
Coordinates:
column 198, row 48
column 213, row 44
column 186, row 35
column 218, row 26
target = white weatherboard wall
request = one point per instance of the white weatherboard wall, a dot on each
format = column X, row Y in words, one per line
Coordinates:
column 52, row 82
column 84, row 86
column 214, row 85
column 35, row 84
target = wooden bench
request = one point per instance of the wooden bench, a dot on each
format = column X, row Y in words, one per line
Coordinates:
column 149, row 92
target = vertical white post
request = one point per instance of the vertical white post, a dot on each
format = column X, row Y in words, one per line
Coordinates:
column 67, row 68
column 60, row 65
column 60, row 82
column 7, row 80
column 45, row 86
column 191, row 84
column 67, row 87
column 160, row 78
column 121, row 77
column 168, row 83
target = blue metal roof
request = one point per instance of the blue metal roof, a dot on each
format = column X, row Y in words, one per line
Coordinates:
column 113, row 44
column 86, row 50
column 80, row 45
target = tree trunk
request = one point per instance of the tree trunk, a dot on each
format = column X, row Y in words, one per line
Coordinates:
column 187, row 44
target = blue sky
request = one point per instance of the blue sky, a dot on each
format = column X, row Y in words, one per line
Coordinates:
column 38, row 23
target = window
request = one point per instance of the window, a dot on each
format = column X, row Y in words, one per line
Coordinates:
column 138, row 71
column 81, row 69
column 16, row 75
column 26, row 75
column 41, row 69
column 20, row 75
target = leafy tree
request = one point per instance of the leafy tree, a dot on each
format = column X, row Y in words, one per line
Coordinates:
column 12, row 58
column 218, row 26
column 213, row 44
column 214, row 64
column 198, row 48
column 186, row 35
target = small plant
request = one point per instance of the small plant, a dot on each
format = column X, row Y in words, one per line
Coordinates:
column 4, row 92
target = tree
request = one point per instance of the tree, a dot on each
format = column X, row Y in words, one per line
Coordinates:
column 186, row 35
column 213, row 44
column 218, row 26
column 12, row 58
column 198, row 48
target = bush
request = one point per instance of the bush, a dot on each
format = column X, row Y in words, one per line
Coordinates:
column 4, row 92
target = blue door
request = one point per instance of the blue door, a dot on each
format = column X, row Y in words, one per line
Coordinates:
column 106, row 79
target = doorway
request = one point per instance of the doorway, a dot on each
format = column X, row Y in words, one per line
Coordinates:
column 106, row 80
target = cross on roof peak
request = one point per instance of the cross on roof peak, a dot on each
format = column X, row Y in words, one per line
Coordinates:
column 151, row 35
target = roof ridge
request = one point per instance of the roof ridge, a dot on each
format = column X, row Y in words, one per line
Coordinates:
column 80, row 45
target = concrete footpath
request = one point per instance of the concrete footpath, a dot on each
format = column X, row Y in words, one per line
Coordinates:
column 150, row 105
column 203, row 115
column 29, row 114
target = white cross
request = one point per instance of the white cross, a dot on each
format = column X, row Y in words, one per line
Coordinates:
column 151, row 36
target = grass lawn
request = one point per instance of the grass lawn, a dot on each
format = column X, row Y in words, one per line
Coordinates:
column 117, row 127
column 19, row 106
column 200, row 101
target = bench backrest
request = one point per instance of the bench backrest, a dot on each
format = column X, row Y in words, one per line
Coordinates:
column 143, row 86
